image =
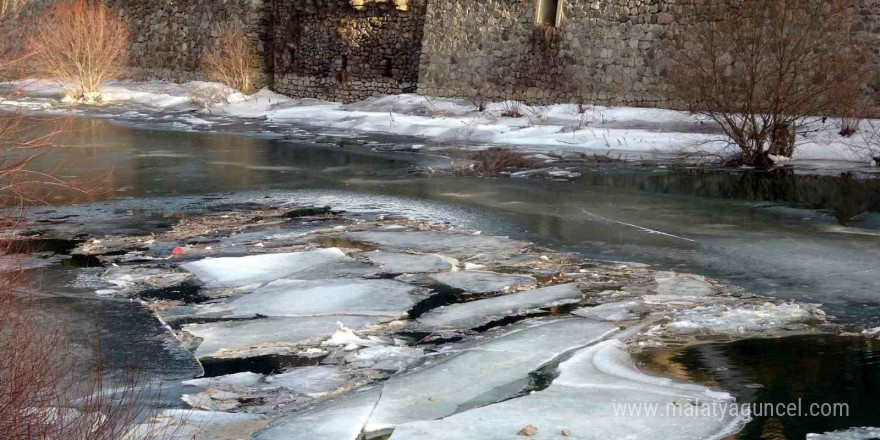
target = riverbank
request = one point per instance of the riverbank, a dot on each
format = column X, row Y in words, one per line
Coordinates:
column 546, row 132
column 319, row 324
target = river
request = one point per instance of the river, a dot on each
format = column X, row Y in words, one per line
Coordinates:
column 788, row 233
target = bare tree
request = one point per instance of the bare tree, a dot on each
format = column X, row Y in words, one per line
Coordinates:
column 82, row 44
column 764, row 69
column 234, row 63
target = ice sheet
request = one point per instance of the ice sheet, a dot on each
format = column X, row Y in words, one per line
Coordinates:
column 250, row 333
column 258, row 269
column 487, row 373
column 474, row 281
column 598, row 395
column 477, row 313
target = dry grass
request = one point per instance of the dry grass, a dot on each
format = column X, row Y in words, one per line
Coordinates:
column 82, row 44
column 491, row 161
column 512, row 109
column 234, row 63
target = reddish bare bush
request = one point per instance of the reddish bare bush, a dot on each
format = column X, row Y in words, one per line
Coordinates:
column 82, row 44
column 234, row 63
column 762, row 69
column 44, row 394
column 49, row 391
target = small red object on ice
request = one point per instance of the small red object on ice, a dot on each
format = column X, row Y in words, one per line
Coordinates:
column 177, row 251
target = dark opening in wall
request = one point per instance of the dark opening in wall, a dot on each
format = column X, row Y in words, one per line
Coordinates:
column 387, row 68
column 549, row 13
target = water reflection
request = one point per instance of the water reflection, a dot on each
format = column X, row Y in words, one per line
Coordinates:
column 809, row 369
column 845, row 195
column 104, row 160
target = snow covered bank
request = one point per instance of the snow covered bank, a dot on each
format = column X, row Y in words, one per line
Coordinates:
column 563, row 129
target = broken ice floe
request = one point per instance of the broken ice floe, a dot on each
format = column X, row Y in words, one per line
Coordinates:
column 680, row 289
column 473, row 281
column 244, row 379
column 303, row 327
column 274, row 334
column 195, row 424
column 584, row 401
column 258, row 269
column 312, row 381
column 399, row 263
column 481, row 312
column 863, row 433
column 321, row 297
column 488, row 372
column 385, row 358
column 339, row 419
column 622, row 311
column 129, row 279
column 742, row 319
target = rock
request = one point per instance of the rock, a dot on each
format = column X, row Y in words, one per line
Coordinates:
column 528, row 431
column 566, row 432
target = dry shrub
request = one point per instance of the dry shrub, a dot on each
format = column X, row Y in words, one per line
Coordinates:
column 762, row 70
column 44, row 394
column 49, row 391
column 853, row 107
column 479, row 102
column 10, row 8
column 82, row 44
column 234, row 63
column 493, row 161
column 512, row 109
column 866, row 143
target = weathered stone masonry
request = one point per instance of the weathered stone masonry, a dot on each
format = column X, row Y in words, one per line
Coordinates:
column 169, row 37
column 601, row 51
column 347, row 50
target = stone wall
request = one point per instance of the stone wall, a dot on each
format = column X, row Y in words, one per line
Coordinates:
column 604, row 51
column 866, row 27
column 347, row 50
column 169, row 37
